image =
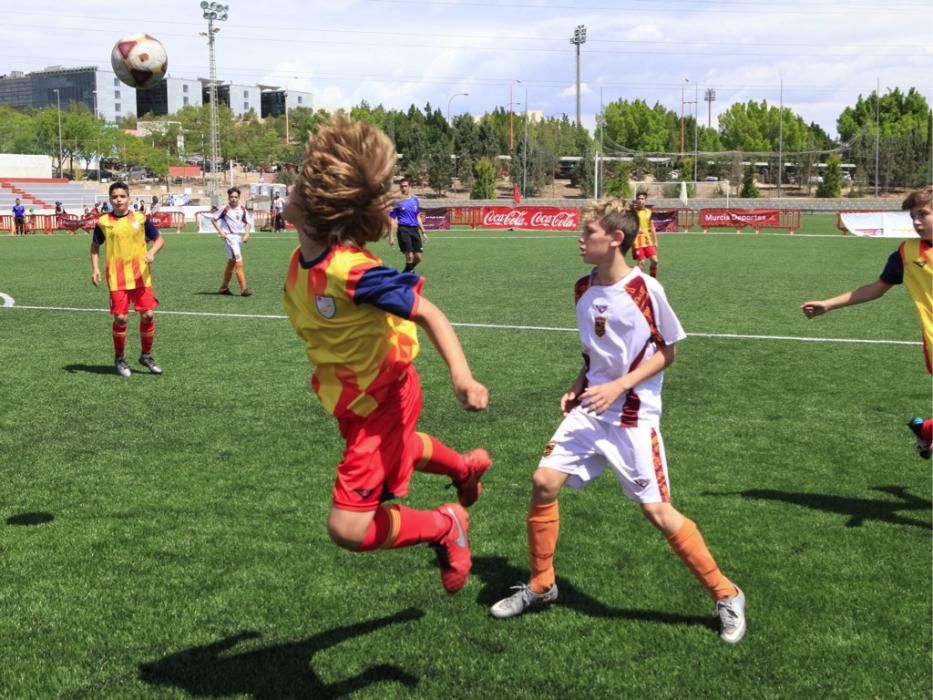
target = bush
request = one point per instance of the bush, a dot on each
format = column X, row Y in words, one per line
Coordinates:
column 484, row 180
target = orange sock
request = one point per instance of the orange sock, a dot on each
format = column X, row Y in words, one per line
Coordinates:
column 543, row 529
column 396, row 526
column 434, row 457
column 688, row 543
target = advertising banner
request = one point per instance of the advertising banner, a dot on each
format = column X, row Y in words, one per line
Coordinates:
column 437, row 219
column 880, row 224
column 531, row 218
column 740, row 218
column 665, row 221
column 69, row 222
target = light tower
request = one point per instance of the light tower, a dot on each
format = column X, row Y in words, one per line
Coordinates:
column 579, row 38
column 213, row 12
column 710, row 97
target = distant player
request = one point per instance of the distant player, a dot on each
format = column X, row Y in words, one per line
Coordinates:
column 277, row 209
column 358, row 320
column 232, row 224
column 612, row 414
column 407, row 215
column 912, row 265
column 131, row 242
column 19, row 218
column 646, row 242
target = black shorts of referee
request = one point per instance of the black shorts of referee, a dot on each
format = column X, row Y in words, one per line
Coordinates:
column 409, row 239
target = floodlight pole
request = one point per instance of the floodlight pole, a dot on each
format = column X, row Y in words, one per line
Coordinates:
column 525, row 151
column 213, row 11
column 781, row 140
column 682, row 103
column 579, row 38
column 710, row 97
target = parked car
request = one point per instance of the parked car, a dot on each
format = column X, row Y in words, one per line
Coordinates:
column 711, row 178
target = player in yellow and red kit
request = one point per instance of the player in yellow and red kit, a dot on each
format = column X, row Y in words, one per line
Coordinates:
column 358, row 319
column 911, row 265
column 125, row 236
column 646, row 240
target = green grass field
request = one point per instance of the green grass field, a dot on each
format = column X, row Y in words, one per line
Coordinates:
column 165, row 536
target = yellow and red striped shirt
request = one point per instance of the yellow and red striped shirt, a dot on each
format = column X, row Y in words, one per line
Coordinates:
column 124, row 239
column 354, row 316
column 644, row 239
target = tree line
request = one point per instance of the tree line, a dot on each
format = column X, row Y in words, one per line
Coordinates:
column 888, row 139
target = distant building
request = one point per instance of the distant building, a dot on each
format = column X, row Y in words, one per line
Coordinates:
column 101, row 91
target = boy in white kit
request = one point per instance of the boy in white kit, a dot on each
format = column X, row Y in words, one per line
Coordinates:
column 233, row 225
column 612, row 414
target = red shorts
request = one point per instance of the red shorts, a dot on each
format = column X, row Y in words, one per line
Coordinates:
column 646, row 252
column 378, row 462
column 143, row 299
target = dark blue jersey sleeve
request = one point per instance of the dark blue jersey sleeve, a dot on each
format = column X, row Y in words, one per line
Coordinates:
column 390, row 290
column 152, row 232
column 893, row 272
column 99, row 235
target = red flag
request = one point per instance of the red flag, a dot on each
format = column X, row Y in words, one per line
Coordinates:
column 516, row 197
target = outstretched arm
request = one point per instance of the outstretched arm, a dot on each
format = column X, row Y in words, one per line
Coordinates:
column 868, row 292
column 472, row 395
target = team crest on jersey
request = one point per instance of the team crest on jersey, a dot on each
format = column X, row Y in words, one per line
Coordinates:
column 599, row 326
column 549, row 448
column 326, row 306
column 364, row 493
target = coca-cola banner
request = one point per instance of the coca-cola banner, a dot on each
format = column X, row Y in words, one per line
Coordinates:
column 69, row 222
column 535, row 218
column 739, row 218
column 664, row 220
column 437, row 219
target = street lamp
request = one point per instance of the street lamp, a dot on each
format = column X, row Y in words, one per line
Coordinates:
column 710, row 97
column 511, row 130
column 58, row 102
column 579, row 38
column 287, row 139
column 459, row 94
column 682, row 103
column 213, row 11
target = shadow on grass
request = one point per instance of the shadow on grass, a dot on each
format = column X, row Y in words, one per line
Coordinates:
column 277, row 671
column 30, row 519
column 90, row 369
column 498, row 575
column 857, row 509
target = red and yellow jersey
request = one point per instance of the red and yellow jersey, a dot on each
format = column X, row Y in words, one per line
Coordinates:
column 354, row 316
column 643, row 238
column 124, row 239
column 912, row 265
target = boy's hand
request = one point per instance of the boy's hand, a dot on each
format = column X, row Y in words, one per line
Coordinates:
column 568, row 402
column 149, row 257
column 600, row 397
column 472, row 395
column 95, row 277
column 246, row 237
column 814, row 308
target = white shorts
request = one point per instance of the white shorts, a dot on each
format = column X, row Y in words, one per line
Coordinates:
column 232, row 244
column 583, row 446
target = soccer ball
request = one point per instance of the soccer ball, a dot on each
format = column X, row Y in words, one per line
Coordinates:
column 139, row 61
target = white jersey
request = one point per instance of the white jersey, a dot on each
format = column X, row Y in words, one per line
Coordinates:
column 233, row 221
column 278, row 205
column 621, row 326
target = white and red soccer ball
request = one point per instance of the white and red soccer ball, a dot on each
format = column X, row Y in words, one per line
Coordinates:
column 139, row 61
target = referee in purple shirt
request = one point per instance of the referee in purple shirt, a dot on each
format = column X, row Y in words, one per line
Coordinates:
column 406, row 213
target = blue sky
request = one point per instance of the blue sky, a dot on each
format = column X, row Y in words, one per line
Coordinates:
column 400, row 52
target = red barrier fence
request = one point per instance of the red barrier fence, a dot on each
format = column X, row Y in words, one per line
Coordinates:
column 466, row 216
column 756, row 218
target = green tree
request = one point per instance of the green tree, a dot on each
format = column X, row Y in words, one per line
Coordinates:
column 831, row 186
column 618, row 181
column 484, row 180
column 749, row 186
column 440, row 167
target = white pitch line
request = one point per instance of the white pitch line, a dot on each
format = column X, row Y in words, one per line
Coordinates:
column 497, row 326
